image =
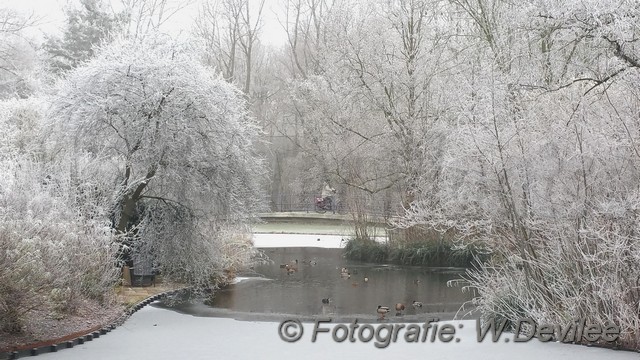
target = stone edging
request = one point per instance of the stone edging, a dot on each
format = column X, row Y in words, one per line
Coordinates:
column 81, row 337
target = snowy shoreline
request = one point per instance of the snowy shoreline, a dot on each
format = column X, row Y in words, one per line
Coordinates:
column 159, row 333
column 272, row 240
column 155, row 333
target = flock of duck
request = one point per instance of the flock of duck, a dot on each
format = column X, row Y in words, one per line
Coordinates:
column 383, row 310
column 346, row 274
column 292, row 267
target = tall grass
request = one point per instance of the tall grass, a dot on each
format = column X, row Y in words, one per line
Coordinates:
column 425, row 252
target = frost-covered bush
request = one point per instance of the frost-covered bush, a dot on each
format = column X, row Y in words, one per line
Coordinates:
column 591, row 274
column 51, row 252
column 555, row 208
column 56, row 247
column 21, row 132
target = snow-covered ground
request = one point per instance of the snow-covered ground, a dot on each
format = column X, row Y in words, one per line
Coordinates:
column 302, row 240
column 155, row 333
column 298, row 240
column 302, row 226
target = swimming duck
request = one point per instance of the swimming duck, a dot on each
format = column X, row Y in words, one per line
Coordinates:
column 292, row 266
column 366, row 279
column 326, row 301
column 399, row 309
column 382, row 310
column 416, row 304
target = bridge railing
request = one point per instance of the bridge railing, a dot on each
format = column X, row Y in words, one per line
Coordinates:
column 344, row 204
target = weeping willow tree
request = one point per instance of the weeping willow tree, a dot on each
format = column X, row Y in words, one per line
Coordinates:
column 178, row 145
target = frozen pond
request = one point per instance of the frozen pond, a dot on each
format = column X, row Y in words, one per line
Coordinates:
column 242, row 321
column 273, row 293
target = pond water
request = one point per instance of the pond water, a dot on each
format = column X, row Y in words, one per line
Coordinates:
column 269, row 295
column 273, row 293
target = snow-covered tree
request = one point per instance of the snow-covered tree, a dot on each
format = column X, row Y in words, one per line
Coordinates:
column 368, row 99
column 179, row 143
column 17, row 55
column 542, row 165
column 230, row 29
column 87, row 27
column 306, row 24
column 142, row 17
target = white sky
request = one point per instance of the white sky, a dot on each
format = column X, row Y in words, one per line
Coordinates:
column 51, row 15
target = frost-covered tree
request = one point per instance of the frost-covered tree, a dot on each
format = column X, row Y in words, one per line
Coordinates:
column 542, row 165
column 142, row 17
column 368, row 99
column 230, row 29
column 306, row 24
column 179, row 143
column 17, row 55
column 87, row 27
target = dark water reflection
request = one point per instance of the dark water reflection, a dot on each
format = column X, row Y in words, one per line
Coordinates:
column 271, row 293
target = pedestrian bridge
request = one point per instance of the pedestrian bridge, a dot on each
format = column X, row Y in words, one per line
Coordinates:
column 328, row 217
column 315, row 223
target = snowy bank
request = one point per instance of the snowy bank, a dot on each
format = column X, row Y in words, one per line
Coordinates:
column 155, row 333
column 302, row 240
